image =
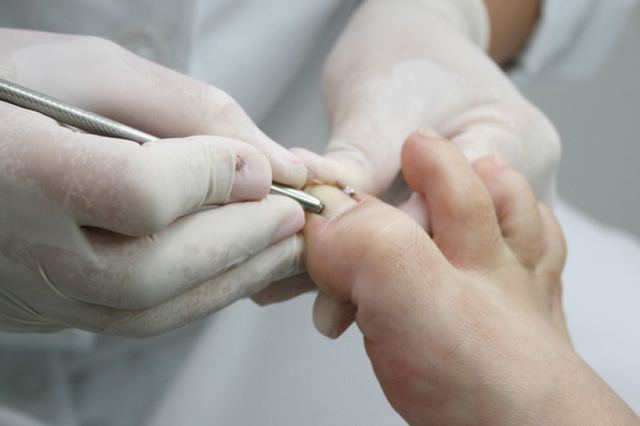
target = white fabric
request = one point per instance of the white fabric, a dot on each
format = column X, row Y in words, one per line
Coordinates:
column 268, row 366
column 572, row 39
column 255, row 49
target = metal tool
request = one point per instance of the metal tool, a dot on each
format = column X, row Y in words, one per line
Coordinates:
column 102, row 126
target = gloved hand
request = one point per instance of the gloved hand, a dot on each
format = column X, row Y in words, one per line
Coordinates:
column 400, row 67
column 93, row 231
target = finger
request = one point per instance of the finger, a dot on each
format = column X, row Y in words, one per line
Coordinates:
column 125, row 187
column 139, row 272
column 104, row 78
column 332, row 317
column 272, row 264
column 462, row 216
column 286, row 289
column 553, row 247
column 516, row 208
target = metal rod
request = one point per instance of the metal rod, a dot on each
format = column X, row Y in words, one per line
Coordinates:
column 103, row 126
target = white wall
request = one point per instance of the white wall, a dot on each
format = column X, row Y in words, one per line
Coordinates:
column 599, row 122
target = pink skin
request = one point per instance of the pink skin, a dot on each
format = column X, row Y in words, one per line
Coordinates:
column 463, row 325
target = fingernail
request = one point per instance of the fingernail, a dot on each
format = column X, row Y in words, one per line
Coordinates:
column 285, row 289
column 344, row 324
column 429, row 133
column 499, row 162
column 263, row 297
column 332, row 318
column 325, row 326
column 335, row 200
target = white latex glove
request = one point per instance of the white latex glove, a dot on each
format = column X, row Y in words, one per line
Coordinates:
column 93, row 232
column 403, row 66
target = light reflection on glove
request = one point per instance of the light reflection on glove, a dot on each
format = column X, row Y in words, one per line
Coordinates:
column 93, row 232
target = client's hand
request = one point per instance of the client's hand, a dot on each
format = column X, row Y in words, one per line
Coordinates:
column 463, row 326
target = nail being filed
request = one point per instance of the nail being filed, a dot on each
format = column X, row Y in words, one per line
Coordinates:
column 99, row 125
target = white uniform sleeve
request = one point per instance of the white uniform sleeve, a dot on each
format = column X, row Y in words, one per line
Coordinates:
column 572, row 39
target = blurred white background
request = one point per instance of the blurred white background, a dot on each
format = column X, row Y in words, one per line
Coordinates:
column 599, row 123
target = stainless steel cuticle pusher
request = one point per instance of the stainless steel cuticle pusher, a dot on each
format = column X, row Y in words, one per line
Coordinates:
column 102, row 126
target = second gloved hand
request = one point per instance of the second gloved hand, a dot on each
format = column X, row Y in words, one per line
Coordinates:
column 399, row 68
column 94, row 232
